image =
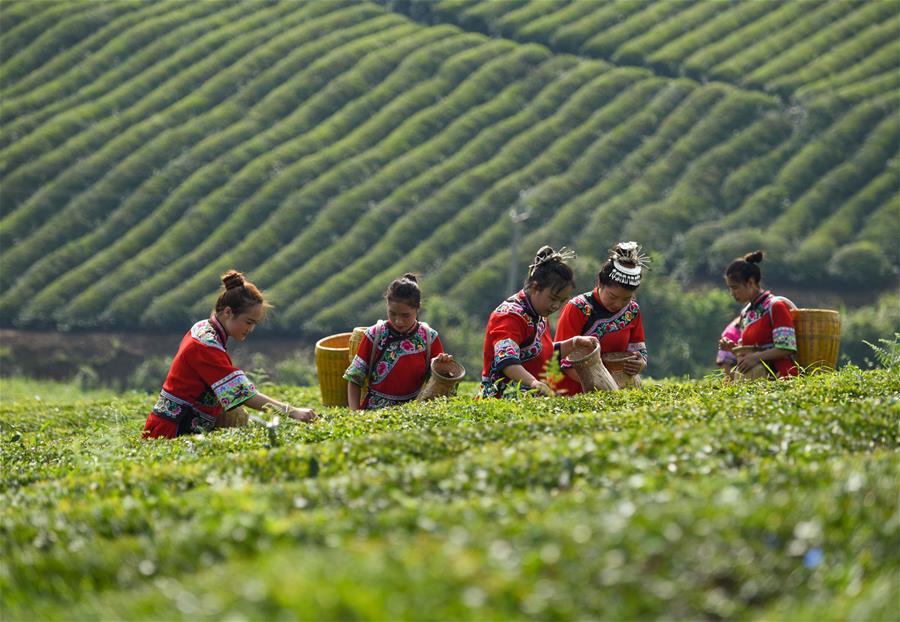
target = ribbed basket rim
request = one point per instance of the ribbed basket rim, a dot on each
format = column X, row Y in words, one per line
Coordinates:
column 461, row 371
column 576, row 355
column 806, row 310
column 319, row 343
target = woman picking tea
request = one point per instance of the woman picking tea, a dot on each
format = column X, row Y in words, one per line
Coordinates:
column 395, row 356
column 517, row 344
column 202, row 383
column 768, row 342
column 609, row 313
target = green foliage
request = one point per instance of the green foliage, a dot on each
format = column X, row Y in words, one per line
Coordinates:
column 888, row 353
column 150, row 374
column 861, row 265
column 324, row 147
column 682, row 328
column 760, row 500
column 738, row 243
column 870, row 323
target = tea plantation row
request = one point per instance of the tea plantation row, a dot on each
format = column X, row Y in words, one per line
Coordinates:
column 769, row 500
column 325, row 147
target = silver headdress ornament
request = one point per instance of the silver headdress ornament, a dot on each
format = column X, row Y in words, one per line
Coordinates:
column 562, row 255
column 628, row 263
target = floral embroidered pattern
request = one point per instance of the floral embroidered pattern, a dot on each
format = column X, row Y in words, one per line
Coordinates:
column 581, row 303
column 505, row 351
column 204, row 332
column 233, row 390
column 390, row 348
column 202, row 423
column 357, row 371
column 376, row 400
column 617, row 322
column 755, row 310
column 784, row 337
column 208, row 398
column 170, row 407
column 604, row 326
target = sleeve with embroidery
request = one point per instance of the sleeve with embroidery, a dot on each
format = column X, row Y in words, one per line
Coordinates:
column 636, row 342
column 358, row 370
column 505, row 336
column 229, row 384
column 783, row 334
column 571, row 321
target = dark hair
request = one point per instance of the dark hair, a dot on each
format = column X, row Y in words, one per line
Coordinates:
column 405, row 290
column 746, row 268
column 239, row 295
column 550, row 270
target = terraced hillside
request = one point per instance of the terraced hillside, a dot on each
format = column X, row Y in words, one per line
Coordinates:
column 325, row 147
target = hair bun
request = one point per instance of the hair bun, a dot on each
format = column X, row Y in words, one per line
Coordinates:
column 232, row 279
column 409, row 276
column 544, row 251
column 754, row 257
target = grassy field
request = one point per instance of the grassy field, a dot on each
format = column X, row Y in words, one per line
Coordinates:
column 773, row 500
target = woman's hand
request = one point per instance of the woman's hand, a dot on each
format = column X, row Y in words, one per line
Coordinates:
column 747, row 361
column 583, row 341
column 443, row 357
column 541, row 388
column 300, row 414
column 634, row 365
column 726, row 344
column 573, row 343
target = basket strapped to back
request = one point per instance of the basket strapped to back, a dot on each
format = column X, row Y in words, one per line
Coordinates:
column 812, row 351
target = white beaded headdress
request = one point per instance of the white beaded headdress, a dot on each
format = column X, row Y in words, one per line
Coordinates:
column 628, row 263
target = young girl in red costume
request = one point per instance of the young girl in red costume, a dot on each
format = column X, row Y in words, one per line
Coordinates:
column 395, row 356
column 517, row 344
column 766, row 321
column 202, row 383
column 609, row 312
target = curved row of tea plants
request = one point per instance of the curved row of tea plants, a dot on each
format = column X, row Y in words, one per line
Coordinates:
column 779, row 47
column 118, row 85
column 235, row 162
column 326, row 147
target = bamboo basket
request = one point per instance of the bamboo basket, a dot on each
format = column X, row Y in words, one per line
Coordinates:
column 615, row 363
column 818, row 338
column 356, row 337
column 443, row 380
column 592, row 373
column 331, row 363
column 755, row 373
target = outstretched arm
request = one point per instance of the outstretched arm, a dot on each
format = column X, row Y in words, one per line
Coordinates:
column 520, row 374
column 260, row 401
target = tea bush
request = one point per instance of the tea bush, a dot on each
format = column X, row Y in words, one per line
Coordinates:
column 693, row 500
